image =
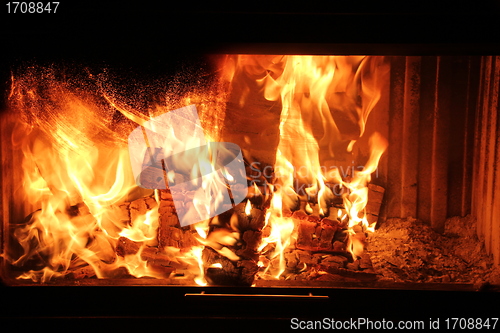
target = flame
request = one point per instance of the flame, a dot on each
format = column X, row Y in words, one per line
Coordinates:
column 357, row 199
column 326, row 101
column 77, row 173
column 143, row 228
column 248, row 208
column 200, row 279
column 77, row 176
column 280, row 235
column 257, row 192
column 65, row 178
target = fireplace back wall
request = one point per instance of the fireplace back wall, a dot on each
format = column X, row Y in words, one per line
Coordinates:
column 444, row 147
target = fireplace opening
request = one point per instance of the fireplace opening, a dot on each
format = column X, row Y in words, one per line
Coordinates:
column 358, row 170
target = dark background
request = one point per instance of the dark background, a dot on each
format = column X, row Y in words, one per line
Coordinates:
column 147, row 29
column 148, row 36
column 156, row 36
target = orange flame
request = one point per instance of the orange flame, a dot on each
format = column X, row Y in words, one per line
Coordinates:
column 77, row 174
column 326, row 101
column 248, row 208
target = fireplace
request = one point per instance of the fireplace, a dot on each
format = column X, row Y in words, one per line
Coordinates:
column 316, row 181
column 426, row 171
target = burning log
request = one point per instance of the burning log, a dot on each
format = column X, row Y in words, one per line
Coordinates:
column 243, row 227
column 177, row 237
column 339, row 246
column 334, row 261
column 357, row 274
column 304, row 265
column 375, row 198
column 250, row 244
column 85, row 272
column 168, row 215
column 321, row 251
column 152, row 255
column 169, row 231
column 315, row 234
column 365, row 263
column 140, row 207
column 219, row 270
column 249, row 218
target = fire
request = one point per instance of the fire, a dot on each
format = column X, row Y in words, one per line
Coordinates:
column 356, row 201
column 79, row 177
column 143, row 228
column 280, row 236
column 325, row 103
column 248, row 208
column 200, row 279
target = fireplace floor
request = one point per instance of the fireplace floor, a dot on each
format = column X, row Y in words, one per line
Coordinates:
column 407, row 250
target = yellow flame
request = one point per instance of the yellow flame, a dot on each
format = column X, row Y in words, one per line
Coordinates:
column 248, row 208
column 200, row 279
column 257, row 192
column 143, row 228
column 67, row 168
column 76, row 172
column 316, row 92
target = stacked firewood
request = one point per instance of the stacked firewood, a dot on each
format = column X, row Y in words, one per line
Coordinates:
column 321, row 251
column 248, row 225
column 234, row 232
column 170, row 236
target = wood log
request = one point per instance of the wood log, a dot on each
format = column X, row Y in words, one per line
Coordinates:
column 247, row 105
column 168, row 215
column 341, row 236
column 81, row 273
column 339, row 246
column 177, row 237
column 166, row 195
column 238, row 273
column 353, row 266
column 315, row 234
column 336, row 261
column 250, row 244
column 170, row 232
column 305, row 257
column 292, row 260
column 151, row 254
column 141, row 206
column 259, row 193
column 365, row 262
column 123, row 212
column 253, row 221
column 242, row 271
column 375, row 199
column 334, row 278
column 337, row 191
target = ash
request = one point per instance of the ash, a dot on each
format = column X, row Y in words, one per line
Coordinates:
column 407, row 250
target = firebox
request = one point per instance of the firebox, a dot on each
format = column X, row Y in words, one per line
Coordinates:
column 315, row 178
column 368, row 165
